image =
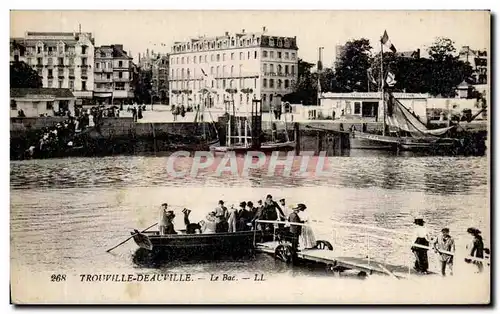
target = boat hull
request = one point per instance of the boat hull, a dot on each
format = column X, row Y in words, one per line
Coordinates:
column 193, row 245
column 361, row 140
column 265, row 147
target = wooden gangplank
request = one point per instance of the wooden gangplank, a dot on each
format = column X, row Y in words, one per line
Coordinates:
column 327, row 257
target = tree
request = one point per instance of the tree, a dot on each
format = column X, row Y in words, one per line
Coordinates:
column 351, row 68
column 23, row 76
column 305, row 88
column 441, row 49
column 143, row 86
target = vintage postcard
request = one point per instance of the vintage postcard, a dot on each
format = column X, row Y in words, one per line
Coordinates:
column 250, row 157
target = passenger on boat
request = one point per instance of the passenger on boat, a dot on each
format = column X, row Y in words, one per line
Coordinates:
column 191, row 228
column 307, row 239
column 447, row 244
column 232, row 219
column 221, row 217
column 475, row 248
column 272, row 211
column 165, row 223
column 210, row 225
column 296, row 230
column 244, row 218
column 258, row 215
column 421, row 238
column 251, row 208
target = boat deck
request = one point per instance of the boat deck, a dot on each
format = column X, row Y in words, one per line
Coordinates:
column 327, row 257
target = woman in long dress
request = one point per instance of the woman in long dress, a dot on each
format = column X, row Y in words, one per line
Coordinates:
column 307, row 240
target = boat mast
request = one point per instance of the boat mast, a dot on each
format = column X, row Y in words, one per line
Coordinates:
column 382, row 81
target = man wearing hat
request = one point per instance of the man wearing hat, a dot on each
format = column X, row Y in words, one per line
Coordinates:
column 296, row 230
column 165, row 223
column 421, row 238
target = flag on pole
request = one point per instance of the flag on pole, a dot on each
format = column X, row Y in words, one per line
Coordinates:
column 370, row 76
column 209, row 79
column 387, row 42
column 391, row 79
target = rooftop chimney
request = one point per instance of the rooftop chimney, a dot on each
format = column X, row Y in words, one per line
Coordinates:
column 264, row 29
column 243, row 31
column 227, row 33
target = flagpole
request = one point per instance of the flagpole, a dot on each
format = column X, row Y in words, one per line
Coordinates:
column 382, row 81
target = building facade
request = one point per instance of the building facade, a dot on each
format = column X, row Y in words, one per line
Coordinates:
column 63, row 60
column 35, row 102
column 478, row 60
column 113, row 75
column 235, row 67
column 160, row 71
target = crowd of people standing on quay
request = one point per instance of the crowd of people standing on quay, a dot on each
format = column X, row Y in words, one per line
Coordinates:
column 444, row 245
column 64, row 135
column 244, row 218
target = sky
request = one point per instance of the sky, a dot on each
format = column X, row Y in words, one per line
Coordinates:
column 141, row 30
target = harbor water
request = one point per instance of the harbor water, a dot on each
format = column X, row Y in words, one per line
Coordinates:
column 65, row 213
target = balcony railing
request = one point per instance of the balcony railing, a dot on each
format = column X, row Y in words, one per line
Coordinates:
column 121, row 79
column 107, row 70
column 103, row 79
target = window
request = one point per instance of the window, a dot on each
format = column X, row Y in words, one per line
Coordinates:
column 271, row 98
column 218, row 57
column 292, row 69
column 212, row 70
column 84, row 61
column 279, row 69
column 248, row 55
column 279, row 83
column 49, row 105
column 286, row 69
column 120, row 74
column 182, row 73
column 84, row 85
column 271, row 68
column 287, row 55
column 279, row 55
column 50, row 73
column 264, row 98
column 264, row 54
column 287, row 83
column 205, row 58
column 50, row 83
column 71, row 61
column 120, row 64
column 232, row 69
column 71, row 72
column 84, row 50
column 13, row 105
column 224, row 72
column 271, row 42
column 357, row 107
column 182, row 60
column 224, row 57
column 293, row 55
column 61, row 61
column 50, row 61
column 194, row 59
column 35, row 104
column 264, row 83
column 38, row 49
column 271, row 54
column 39, row 61
column 255, row 54
column 177, row 61
column 241, row 56
column 199, row 59
column 232, row 55
column 241, row 98
column 223, row 83
column 187, row 60
column 271, row 83
column 97, row 65
column 265, row 67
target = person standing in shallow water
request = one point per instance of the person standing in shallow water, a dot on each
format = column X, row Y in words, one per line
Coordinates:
column 476, row 248
column 445, row 243
column 421, row 238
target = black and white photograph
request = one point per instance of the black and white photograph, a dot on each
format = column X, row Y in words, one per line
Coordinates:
column 250, row 157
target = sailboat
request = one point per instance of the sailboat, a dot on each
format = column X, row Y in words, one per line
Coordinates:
column 247, row 133
column 402, row 130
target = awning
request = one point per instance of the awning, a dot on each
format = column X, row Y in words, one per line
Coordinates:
column 103, row 95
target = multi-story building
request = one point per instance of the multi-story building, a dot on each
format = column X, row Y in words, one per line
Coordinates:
column 478, row 60
column 241, row 67
column 63, row 60
column 113, row 75
column 160, row 78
